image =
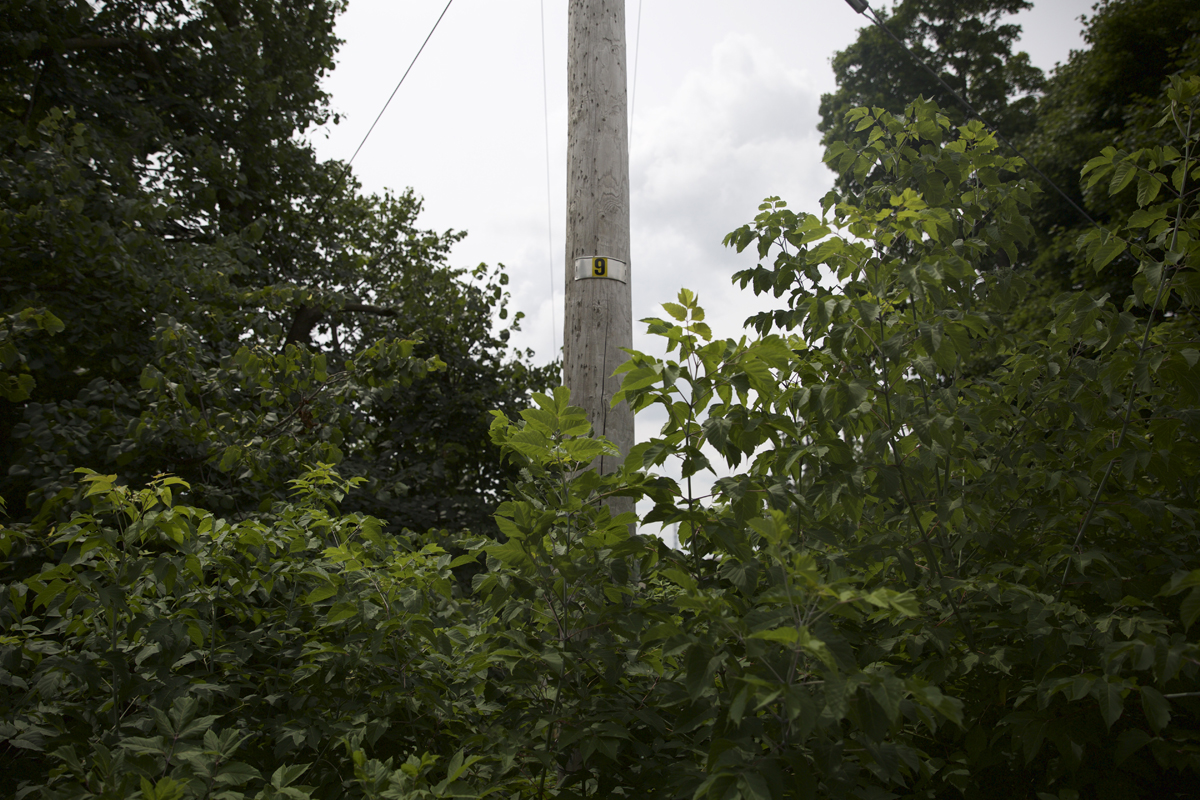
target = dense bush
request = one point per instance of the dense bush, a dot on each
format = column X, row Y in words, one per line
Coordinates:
column 950, row 557
column 160, row 197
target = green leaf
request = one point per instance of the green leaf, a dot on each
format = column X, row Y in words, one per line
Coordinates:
column 1129, row 742
column 1145, row 217
column 165, row 789
column 889, row 692
column 1180, row 582
column 1103, row 253
column 287, row 774
column 676, row 311
column 679, row 578
column 836, row 699
column 1109, row 697
column 932, row 696
column 340, row 612
column 1156, row 708
column 1148, row 188
column 230, row 458
column 905, row 603
column 782, row 635
column 321, row 593
column 753, row 785
column 1123, row 174
column 236, row 773
column 1189, row 610
column 1095, row 163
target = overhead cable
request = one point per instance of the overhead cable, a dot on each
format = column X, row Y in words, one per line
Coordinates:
column 346, row 167
column 549, row 213
column 637, row 46
column 379, row 116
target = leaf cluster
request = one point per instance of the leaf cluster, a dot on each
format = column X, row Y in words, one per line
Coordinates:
column 161, row 199
column 948, row 550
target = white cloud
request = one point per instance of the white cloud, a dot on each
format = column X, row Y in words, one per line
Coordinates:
column 739, row 128
column 727, row 106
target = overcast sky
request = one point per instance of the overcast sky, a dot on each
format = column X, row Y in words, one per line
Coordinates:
column 724, row 114
column 724, row 97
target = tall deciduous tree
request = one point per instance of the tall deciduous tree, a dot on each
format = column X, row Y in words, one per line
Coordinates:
column 1104, row 93
column 966, row 43
column 158, row 188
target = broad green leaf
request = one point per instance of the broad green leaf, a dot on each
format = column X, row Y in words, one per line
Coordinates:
column 1103, row 253
column 1148, row 188
column 1145, row 217
column 835, row 695
column 1190, row 608
column 287, row 774
column 1123, row 174
column 680, row 578
column 781, row 635
column 321, row 593
column 236, row 773
column 165, row 788
column 1156, row 708
column 1108, row 695
column 676, row 311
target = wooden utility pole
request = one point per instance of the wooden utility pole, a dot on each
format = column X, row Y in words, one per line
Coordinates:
column 599, row 316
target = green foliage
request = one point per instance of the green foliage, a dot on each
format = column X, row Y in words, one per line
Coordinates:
column 162, row 201
column 173, row 653
column 949, row 550
column 15, row 381
column 964, row 43
column 1038, row 510
column 1104, row 95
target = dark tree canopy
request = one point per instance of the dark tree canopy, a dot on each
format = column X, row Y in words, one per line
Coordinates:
column 1106, row 93
column 156, row 178
column 965, row 43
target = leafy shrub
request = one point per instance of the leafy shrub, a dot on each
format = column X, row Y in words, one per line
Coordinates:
column 951, row 558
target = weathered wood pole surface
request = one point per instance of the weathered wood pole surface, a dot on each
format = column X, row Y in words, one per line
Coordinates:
column 599, row 315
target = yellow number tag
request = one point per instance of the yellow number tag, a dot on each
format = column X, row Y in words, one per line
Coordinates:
column 599, row 267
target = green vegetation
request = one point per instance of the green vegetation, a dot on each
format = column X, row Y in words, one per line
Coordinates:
column 954, row 553
column 231, row 308
column 963, row 41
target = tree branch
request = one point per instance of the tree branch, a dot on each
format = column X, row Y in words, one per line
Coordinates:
column 140, row 46
column 94, row 42
column 307, row 318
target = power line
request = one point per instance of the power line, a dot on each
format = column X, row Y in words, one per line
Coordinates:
column 346, row 167
column 549, row 213
column 637, row 46
column 398, row 84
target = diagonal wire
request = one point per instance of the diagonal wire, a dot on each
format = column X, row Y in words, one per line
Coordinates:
column 308, row 220
column 549, row 213
column 398, row 84
column 346, row 167
column 637, row 46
